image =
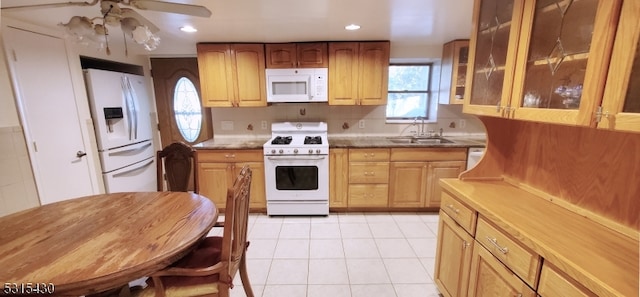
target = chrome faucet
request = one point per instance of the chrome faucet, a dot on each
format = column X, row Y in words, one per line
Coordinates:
column 441, row 131
column 421, row 131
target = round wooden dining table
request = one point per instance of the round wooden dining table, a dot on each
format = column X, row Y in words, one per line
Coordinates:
column 96, row 243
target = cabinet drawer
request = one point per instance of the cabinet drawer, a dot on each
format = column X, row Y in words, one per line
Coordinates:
column 365, row 155
column 230, row 156
column 428, row 154
column 554, row 284
column 368, row 195
column 369, row 173
column 516, row 257
column 461, row 213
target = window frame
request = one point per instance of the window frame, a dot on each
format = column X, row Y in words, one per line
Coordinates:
column 431, row 104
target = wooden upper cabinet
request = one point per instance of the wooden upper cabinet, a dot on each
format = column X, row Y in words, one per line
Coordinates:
column 563, row 58
column 492, row 53
column 541, row 60
column 453, row 72
column 621, row 102
column 297, row 55
column 232, row 75
column 358, row 73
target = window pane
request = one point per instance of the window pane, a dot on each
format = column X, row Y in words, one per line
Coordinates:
column 407, row 105
column 408, row 77
column 187, row 110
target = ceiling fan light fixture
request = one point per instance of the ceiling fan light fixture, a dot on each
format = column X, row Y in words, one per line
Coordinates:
column 188, row 29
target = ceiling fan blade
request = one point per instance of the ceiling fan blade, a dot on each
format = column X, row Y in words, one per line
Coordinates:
column 50, row 5
column 188, row 9
column 130, row 13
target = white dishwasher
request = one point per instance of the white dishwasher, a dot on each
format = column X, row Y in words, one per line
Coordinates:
column 473, row 156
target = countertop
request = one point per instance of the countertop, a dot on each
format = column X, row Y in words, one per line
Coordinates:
column 236, row 143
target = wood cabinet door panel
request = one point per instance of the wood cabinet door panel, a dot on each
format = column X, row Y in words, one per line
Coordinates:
column 343, row 73
column 250, row 75
column 281, row 55
column 407, row 184
column 489, row 278
column 338, row 177
column 258, row 198
column 436, row 171
column 621, row 102
column 374, row 73
column 216, row 75
column 312, row 55
column 213, row 181
column 453, row 258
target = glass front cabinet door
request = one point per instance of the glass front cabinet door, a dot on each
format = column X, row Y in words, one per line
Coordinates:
column 621, row 101
column 492, row 56
column 541, row 60
column 563, row 58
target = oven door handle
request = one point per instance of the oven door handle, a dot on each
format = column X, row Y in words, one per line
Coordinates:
column 297, row 158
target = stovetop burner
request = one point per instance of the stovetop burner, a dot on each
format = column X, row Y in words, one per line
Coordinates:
column 312, row 140
column 282, row 140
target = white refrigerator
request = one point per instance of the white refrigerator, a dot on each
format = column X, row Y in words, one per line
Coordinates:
column 119, row 105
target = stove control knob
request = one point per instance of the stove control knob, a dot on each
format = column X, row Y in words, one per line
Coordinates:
column 295, row 151
column 281, row 151
column 317, row 151
column 310, row 151
column 273, row 151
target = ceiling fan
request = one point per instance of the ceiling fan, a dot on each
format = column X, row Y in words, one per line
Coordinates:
column 133, row 25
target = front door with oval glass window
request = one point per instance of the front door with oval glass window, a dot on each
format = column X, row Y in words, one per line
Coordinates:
column 177, row 91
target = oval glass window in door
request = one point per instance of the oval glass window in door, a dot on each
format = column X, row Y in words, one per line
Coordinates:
column 187, row 109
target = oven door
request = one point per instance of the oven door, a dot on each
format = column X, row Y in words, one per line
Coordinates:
column 297, row 178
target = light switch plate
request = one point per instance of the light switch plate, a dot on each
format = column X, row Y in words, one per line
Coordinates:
column 227, row 125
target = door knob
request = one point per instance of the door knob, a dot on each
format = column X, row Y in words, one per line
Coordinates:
column 80, row 154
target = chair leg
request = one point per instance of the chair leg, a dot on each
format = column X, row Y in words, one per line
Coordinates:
column 244, row 276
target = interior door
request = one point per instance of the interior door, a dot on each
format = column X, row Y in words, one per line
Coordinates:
column 46, row 99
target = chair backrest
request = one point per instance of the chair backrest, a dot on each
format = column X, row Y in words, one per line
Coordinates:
column 179, row 161
column 236, row 217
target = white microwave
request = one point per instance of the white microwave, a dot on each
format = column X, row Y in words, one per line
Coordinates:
column 297, row 85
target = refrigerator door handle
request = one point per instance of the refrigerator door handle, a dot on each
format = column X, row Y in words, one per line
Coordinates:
column 130, row 148
column 143, row 165
column 127, row 104
column 134, row 107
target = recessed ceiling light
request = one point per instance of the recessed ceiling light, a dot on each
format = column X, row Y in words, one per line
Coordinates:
column 352, row 27
column 188, row 29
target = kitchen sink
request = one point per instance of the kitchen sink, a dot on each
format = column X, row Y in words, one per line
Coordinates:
column 418, row 140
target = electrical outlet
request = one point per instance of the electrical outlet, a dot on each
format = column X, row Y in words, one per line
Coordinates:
column 361, row 124
column 226, row 125
column 263, row 125
column 463, row 123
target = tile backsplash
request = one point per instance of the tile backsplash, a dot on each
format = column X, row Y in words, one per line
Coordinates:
column 17, row 185
column 342, row 120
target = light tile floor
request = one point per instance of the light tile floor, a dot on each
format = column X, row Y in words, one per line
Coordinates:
column 341, row 255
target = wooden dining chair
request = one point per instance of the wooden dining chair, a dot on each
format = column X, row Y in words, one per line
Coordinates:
column 209, row 269
column 178, row 161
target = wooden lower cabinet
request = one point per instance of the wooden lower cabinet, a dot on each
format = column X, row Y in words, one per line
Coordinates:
column 408, row 184
column 338, row 177
column 453, row 258
column 436, row 171
column 490, row 278
column 557, row 284
column 368, row 178
column 217, row 170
